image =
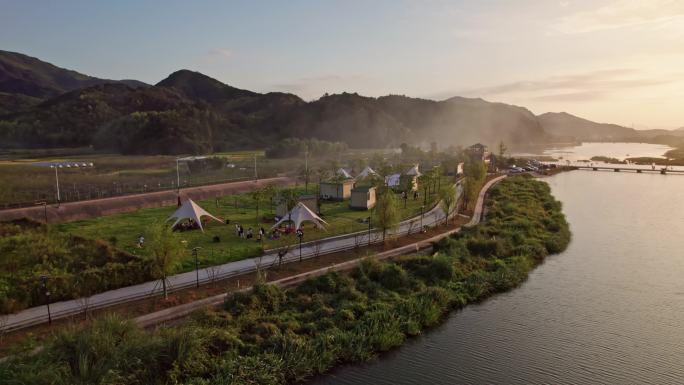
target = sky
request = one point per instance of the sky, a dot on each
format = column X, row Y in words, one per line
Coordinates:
column 615, row 61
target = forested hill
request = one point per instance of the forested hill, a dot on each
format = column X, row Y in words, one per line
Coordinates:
column 42, row 105
column 25, row 75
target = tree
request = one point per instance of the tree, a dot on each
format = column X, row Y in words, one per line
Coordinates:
column 165, row 253
column 305, row 173
column 475, row 169
column 424, row 183
column 290, row 198
column 257, row 195
column 270, row 192
column 471, row 188
column 386, row 211
column 447, row 196
column 334, row 165
column 502, row 149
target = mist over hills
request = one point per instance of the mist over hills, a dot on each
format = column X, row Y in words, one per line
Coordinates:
column 42, row 105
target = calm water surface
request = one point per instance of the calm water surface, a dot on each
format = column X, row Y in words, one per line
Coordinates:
column 610, row 309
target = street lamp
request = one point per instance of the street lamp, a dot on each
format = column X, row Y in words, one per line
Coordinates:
column 56, row 167
column 194, row 253
column 300, row 235
column 422, row 209
column 46, row 292
column 369, row 229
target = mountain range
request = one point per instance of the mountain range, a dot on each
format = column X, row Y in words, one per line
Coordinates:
column 42, row 105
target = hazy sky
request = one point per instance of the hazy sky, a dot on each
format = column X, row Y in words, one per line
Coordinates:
column 618, row 61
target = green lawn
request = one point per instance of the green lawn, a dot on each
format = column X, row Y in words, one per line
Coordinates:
column 124, row 229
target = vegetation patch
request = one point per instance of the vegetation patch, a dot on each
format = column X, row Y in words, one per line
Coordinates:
column 76, row 266
column 275, row 336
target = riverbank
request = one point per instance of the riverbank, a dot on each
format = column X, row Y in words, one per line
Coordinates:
column 284, row 336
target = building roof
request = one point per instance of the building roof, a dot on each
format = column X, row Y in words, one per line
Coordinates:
column 413, row 171
column 366, row 172
column 343, row 173
column 333, row 182
column 363, row 189
column 477, row 146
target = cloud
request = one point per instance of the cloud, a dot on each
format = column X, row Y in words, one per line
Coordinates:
column 574, row 87
column 220, row 52
column 214, row 56
column 623, row 14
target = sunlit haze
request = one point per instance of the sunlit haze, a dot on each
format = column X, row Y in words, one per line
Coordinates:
column 608, row 61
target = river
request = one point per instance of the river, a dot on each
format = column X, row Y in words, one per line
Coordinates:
column 610, row 309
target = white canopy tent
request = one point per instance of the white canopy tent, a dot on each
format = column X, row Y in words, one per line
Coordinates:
column 366, row 172
column 191, row 210
column 343, row 173
column 300, row 213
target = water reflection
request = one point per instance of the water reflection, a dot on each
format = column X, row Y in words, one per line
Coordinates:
column 608, row 310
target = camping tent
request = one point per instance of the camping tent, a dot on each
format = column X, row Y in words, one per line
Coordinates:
column 366, row 172
column 343, row 173
column 299, row 214
column 191, row 210
column 413, row 171
column 393, row 180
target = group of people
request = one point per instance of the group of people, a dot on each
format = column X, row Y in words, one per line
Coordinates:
column 249, row 234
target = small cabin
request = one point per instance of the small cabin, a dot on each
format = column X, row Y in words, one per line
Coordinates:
column 336, row 190
column 363, row 198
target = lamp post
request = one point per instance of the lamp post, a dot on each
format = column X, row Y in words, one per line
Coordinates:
column 300, row 235
column 194, row 253
column 369, row 228
column 55, row 166
column 422, row 209
column 177, row 176
column 46, row 292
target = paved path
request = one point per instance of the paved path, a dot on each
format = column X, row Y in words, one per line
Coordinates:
column 72, row 211
column 37, row 315
column 176, row 312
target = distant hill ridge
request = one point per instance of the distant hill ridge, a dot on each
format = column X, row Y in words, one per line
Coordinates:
column 42, row 105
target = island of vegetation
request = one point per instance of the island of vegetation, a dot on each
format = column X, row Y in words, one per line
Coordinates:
column 275, row 336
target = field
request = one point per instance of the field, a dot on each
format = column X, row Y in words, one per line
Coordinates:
column 218, row 242
column 276, row 336
column 27, row 178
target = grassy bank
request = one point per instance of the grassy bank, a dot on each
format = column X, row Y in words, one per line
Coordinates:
column 274, row 336
column 95, row 255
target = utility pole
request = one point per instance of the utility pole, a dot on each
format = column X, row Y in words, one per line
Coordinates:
column 194, row 253
column 55, row 166
column 46, row 292
column 177, row 177
column 300, row 235
column 369, row 228
column 256, row 177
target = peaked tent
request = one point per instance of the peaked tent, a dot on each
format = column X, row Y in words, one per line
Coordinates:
column 191, row 210
column 299, row 214
column 343, row 173
column 413, row 171
column 366, row 172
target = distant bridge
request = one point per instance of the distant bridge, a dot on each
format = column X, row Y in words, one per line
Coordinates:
column 638, row 170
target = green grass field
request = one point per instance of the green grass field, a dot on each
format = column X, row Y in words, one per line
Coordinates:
column 124, row 229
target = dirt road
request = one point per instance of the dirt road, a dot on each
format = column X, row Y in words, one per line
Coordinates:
column 107, row 206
